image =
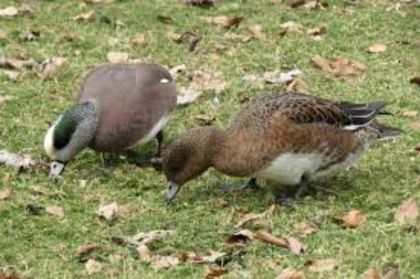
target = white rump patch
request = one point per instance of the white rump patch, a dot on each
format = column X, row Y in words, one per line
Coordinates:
column 164, row 80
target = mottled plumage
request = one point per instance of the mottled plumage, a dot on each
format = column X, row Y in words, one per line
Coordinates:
column 280, row 137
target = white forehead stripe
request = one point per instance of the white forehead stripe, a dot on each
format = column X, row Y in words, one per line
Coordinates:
column 164, row 80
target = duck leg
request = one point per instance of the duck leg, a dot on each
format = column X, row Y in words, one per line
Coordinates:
column 156, row 161
column 304, row 186
column 250, row 184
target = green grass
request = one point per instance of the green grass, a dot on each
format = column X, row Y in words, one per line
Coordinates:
column 44, row 247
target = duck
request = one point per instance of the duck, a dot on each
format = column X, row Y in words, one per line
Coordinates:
column 288, row 139
column 117, row 107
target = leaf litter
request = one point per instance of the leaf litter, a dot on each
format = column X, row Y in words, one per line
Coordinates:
column 108, row 211
column 19, row 162
column 86, row 249
column 352, row 219
column 55, row 211
column 249, row 217
column 93, row 266
column 5, row 194
column 50, row 67
column 339, row 67
column 290, row 273
column 322, row 265
column 407, row 211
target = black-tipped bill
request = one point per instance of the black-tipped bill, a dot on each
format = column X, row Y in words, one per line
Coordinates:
column 172, row 191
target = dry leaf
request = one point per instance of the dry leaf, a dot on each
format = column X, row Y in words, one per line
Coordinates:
column 5, row 194
column 16, row 161
column 410, row 113
column 139, row 39
column 117, row 57
column 415, row 126
column 215, row 272
column 86, row 249
column 257, row 32
column 55, row 210
column 51, row 66
column 93, row 266
column 12, row 75
column 173, row 36
column 407, row 211
column 3, row 35
column 340, row 67
column 145, row 237
column 320, row 30
column 10, row 11
column 9, row 276
column 108, row 211
column 4, row 98
column 281, row 77
column 305, row 229
column 190, row 39
column 415, row 80
column 188, row 95
column 206, row 81
column 372, row 273
column 84, row 17
column 377, row 48
column 308, row 4
column 240, row 238
column 158, row 261
column 254, row 216
column 200, row 3
column 323, row 265
column 295, row 246
column 225, row 21
column 144, row 253
column 16, row 63
column 352, row 219
column 291, row 26
column 291, row 274
column 271, row 239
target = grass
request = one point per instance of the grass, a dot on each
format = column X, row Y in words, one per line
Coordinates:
column 44, row 246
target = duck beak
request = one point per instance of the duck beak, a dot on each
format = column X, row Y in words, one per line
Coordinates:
column 173, row 189
column 56, row 168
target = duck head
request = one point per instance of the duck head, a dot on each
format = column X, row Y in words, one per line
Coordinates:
column 69, row 134
column 188, row 157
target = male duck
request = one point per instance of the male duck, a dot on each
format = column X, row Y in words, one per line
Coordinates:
column 118, row 106
column 286, row 138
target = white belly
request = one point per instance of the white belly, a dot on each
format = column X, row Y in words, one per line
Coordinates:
column 153, row 132
column 288, row 168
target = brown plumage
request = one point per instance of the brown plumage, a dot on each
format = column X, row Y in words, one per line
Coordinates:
column 280, row 137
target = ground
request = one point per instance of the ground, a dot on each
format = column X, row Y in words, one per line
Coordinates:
column 43, row 246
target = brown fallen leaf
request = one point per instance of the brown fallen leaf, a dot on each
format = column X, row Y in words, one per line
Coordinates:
column 372, row 273
column 248, row 217
column 12, row 75
column 415, row 126
column 55, row 210
column 257, row 32
column 3, row 36
column 93, row 266
column 215, row 272
column 207, row 81
column 51, row 66
column 108, row 211
column 266, row 237
column 117, row 57
column 290, row 27
column 277, row 76
column 305, row 229
column 407, row 211
column 190, row 39
column 291, row 274
column 352, row 219
column 322, row 265
column 144, row 253
column 392, row 273
column 200, row 3
column 16, row 63
column 415, row 80
column 86, row 249
column 5, row 194
column 9, row 11
column 225, row 21
column 84, row 16
column 9, row 276
column 158, row 261
column 410, row 113
column 340, row 67
column 377, row 48
column 295, row 246
column 138, row 40
column 148, row 237
column 173, row 36
column 5, row 98
column 240, row 238
column 17, row 161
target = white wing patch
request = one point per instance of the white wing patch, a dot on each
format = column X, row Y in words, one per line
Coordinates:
column 164, row 80
column 49, row 141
